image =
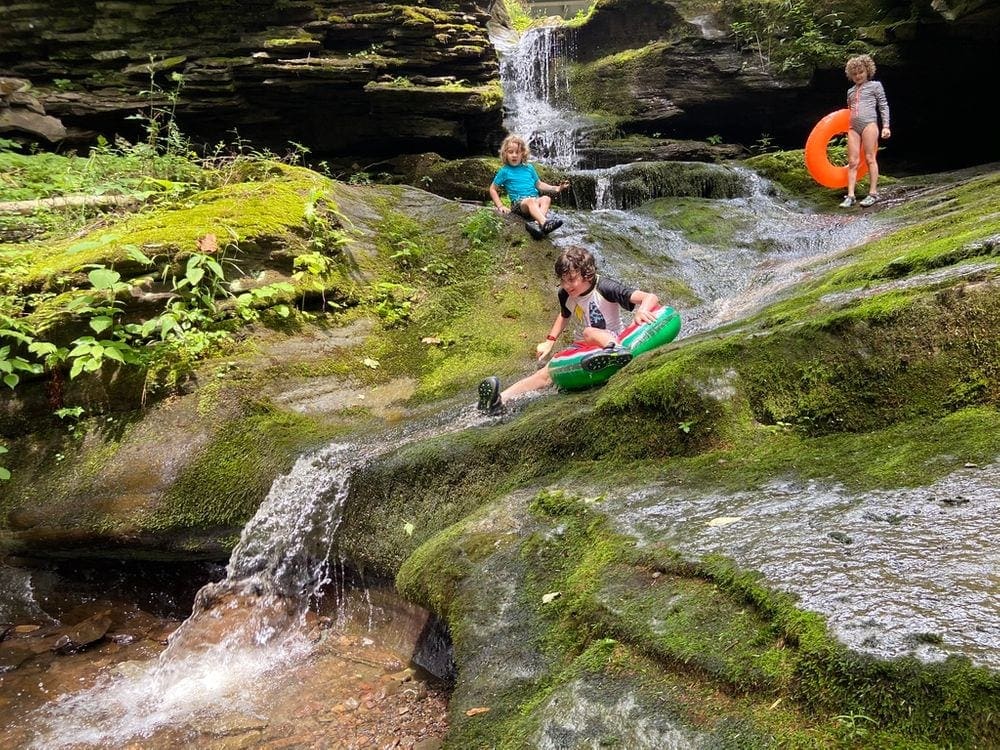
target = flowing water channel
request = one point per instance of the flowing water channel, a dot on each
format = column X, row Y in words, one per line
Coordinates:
column 262, row 654
column 284, row 644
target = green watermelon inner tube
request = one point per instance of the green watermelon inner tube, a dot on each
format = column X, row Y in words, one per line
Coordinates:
column 567, row 367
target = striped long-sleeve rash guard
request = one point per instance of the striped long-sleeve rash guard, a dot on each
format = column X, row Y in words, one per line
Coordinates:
column 867, row 103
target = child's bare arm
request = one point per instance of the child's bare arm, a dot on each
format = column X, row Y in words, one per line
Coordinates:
column 543, row 350
column 495, row 197
column 544, row 187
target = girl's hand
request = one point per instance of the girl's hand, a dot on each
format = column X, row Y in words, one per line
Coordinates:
column 503, row 209
column 886, row 133
column 562, row 186
column 543, row 349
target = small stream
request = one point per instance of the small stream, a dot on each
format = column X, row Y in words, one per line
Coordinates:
column 902, row 572
column 284, row 616
column 779, row 243
column 896, row 572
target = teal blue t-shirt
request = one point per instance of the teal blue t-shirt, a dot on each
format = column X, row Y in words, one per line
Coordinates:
column 519, row 181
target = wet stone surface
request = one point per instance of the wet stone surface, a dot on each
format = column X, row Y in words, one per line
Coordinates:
column 351, row 688
column 896, row 572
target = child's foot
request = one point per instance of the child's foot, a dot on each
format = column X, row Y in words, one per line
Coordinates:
column 848, row 201
column 869, row 200
column 489, row 395
column 534, row 229
column 612, row 355
column 551, row 225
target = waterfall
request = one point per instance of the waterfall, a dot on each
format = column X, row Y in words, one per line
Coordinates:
column 241, row 628
column 250, row 626
column 534, row 77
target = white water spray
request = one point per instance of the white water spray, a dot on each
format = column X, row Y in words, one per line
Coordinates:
column 535, row 84
column 242, row 629
column 246, row 630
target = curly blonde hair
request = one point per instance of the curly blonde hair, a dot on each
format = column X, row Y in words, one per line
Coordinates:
column 515, row 140
column 858, row 64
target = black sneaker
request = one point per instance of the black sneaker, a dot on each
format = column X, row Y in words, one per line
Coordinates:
column 552, row 225
column 489, row 395
column 534, row 229
column 612, row 355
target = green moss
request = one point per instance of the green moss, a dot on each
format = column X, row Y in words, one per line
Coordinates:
column 704, row 221
column 720, row 651
column 432, row 575
column 464, row 282
column 246, row 215
column 941, row 698
column 224, row 484
column 605, row 85
column 298, row 43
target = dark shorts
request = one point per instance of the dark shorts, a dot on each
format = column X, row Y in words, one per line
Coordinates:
column 517, row 208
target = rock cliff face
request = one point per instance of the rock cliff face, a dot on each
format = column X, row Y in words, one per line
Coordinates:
column 672, row 68
column 342, row 77
column 350, row 78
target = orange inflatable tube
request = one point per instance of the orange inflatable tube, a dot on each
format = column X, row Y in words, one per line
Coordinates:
column 817, row 162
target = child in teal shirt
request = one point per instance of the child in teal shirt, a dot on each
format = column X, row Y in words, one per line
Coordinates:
column 524, row 188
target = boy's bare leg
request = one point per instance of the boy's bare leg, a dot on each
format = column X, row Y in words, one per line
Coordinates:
column 597, row 336
column 534, row 382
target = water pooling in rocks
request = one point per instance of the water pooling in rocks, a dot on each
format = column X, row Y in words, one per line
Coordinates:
column 904, row 571
column 253, row 640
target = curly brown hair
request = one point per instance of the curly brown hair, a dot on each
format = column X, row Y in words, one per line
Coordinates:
column 576, row 258
column 859, row 64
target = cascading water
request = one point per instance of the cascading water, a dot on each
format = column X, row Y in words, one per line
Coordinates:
column 241, row 629
column 535, row 84
column 774, row 243
column 244, row 630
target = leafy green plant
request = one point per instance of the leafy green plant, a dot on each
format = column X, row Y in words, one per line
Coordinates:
column 786, row 33
column 4, row 471
column 249, row 303
column 203, row 281
column 325, row 236
column 763, row 144
column 312, row 271
column 517, row 11
column 392, row 303
column 408, row 253
column 12, row 335
column 482, row 228
column 188, row 327
column 160, row 118
column 103, row 310
column 853, row 727
column 70, row 416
